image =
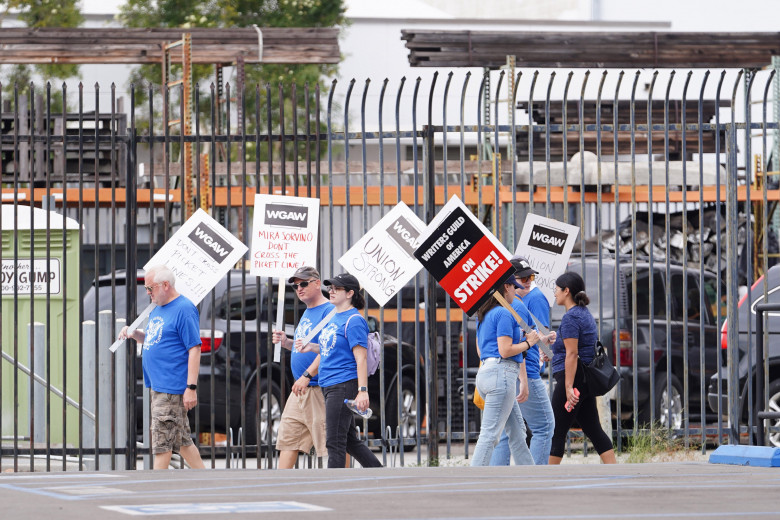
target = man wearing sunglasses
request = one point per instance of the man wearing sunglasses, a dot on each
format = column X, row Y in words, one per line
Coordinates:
column 303, row 420
column 171, row 360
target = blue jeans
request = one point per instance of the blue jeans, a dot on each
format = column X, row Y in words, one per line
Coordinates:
column 538, row 413
column 496, row 381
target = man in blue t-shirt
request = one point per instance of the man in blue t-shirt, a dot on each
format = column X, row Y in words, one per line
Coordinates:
column 303, row 420
column 171, row 360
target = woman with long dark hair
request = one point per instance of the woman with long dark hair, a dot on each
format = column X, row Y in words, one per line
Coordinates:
column 576, row 339
column 501, row 352
column 343, row 372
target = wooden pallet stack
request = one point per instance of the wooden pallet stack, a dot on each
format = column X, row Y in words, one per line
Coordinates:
column 614, row 49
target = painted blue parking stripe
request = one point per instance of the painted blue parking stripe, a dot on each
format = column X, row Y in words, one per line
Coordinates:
column 41, row 492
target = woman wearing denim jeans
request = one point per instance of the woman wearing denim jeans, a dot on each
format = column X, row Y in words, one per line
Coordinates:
column 532, row 398
column 501, row 352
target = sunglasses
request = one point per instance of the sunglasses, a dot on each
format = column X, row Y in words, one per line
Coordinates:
column 333, row 288
column 523, row 279
column 150, row 288
column 302, row 285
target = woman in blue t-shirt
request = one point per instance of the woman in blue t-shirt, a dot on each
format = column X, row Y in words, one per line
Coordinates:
column 576, row 339
column 501, row 352
column 343, row 372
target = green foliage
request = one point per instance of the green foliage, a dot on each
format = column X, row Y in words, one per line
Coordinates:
column 266, row 78
column 19, row 82
column 42, row 13
column 658, row 442
column 46, row 13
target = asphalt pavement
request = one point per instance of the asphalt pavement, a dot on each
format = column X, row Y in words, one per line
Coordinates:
column 590, row 491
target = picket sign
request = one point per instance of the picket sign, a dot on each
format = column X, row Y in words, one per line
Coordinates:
column 279, row 319
column 467, row 260
column 547, row 244
column 544, row 330
column 463, row 256
column 383, row 259
column 284, row 229
column 133, row 326
column 199, row 254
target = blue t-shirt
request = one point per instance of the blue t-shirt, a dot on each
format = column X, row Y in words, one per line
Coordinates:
column 337, row 362
column 498, row 322
column 300, row 361
column 522, row 310
column 173, row 329
column 537, row 304
column 577, row 323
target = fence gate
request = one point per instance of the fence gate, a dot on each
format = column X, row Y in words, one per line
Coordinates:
column 671, row 177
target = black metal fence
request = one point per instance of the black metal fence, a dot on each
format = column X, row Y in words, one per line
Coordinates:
column 671, row 177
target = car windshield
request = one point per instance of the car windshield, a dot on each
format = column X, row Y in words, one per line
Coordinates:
column 113, row 300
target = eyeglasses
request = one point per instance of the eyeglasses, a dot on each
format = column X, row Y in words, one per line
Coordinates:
column 333, row 288
column 302, row 285
column 150, row 288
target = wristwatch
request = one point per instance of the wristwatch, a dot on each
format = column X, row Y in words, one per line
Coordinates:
column 307, row 374
column 192, row 387
column 362, row 389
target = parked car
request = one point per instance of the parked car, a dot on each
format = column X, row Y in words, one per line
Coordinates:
column 234, row 358
column 617, row 334
column 746, row 318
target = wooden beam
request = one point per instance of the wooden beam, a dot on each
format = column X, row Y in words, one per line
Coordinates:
column 237, row 194
column 288, row 45
column 590, row 49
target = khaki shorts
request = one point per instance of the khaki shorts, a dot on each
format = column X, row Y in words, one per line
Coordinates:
column 303, row 423
column 170, row 426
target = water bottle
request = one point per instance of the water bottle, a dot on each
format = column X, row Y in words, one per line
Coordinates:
column 351, row 405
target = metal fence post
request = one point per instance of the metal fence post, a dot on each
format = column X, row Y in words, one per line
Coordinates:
column 105, row 362
column 123, row 387
column 88, row 395
column 732, row 282
column 130, row 262
column 37, row 397
column 430, row 309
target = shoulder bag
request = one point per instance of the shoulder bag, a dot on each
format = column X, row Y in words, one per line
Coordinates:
column 479, row 401
column 600, row 374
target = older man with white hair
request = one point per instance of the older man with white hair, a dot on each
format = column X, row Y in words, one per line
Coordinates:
column 171, row 360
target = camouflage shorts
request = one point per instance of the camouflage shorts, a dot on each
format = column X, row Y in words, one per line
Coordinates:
column 170, row 426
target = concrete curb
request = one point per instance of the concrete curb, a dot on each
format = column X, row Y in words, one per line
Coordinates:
column 762, row 456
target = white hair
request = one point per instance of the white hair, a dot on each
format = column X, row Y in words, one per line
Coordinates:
column 161, row 273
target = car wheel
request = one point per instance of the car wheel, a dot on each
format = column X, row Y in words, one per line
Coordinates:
column 773, row 439
column 409, row 418
column 253, row 410
column 668, row 402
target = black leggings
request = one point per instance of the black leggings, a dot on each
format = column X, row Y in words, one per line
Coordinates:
column 585, row 413
column 340, row 436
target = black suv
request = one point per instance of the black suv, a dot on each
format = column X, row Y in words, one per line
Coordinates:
column 673, row 336
column 230, row 364
column 746, row 318
column 667, row 396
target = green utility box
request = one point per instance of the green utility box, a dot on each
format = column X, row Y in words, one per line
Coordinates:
column 40, row 283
